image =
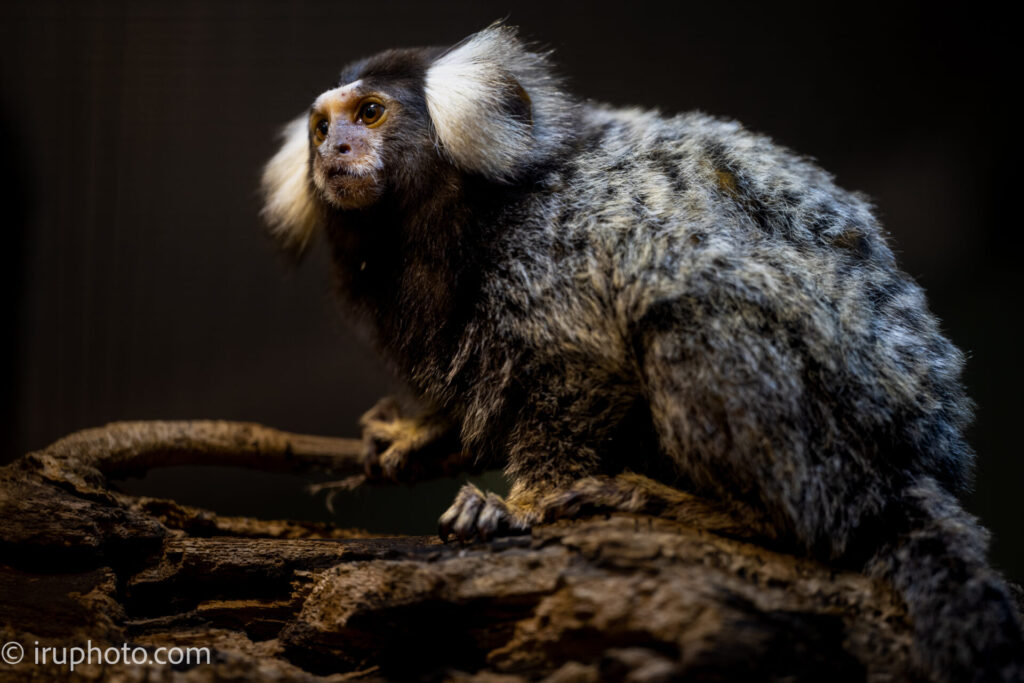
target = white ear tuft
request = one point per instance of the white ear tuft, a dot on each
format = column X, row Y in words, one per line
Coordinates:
column 289, row 208
column 492, row 103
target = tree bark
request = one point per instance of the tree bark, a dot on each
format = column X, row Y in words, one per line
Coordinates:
column 611, row 597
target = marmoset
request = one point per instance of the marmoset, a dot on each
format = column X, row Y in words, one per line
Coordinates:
column 605, row 301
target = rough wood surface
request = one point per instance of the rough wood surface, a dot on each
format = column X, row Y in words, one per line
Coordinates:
column 615, row 597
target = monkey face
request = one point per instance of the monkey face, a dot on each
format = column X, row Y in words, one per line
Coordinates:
column 408, row 129
column 346, row 134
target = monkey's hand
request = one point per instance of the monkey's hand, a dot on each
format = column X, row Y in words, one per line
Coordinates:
column 401, row 448
column 478, row 515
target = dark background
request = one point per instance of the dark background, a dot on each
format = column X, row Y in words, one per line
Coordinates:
column 141, row 285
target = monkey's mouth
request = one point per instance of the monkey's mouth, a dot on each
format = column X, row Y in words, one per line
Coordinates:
column 348, row 188
column 341, row 171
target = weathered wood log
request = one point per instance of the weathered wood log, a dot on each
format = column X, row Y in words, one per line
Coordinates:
column 611, row 597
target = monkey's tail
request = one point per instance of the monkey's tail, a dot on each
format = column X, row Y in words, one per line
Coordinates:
column 966, row 626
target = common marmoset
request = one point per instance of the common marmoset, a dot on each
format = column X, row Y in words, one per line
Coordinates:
column 587, row 295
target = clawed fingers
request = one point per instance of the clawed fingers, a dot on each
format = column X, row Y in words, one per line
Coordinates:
column 478, row 515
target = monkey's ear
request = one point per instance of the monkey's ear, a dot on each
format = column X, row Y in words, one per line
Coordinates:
column 289, row 208
column 494, row 103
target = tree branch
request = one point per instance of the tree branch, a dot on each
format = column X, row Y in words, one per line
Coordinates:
column 598, row 598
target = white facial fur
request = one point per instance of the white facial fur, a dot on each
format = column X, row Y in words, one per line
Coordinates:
column 339, row 94
column 289, row 207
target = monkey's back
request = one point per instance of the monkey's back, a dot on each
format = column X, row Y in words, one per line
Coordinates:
column 733, row 248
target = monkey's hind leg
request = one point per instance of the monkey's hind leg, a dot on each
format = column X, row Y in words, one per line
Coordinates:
column 476, row 513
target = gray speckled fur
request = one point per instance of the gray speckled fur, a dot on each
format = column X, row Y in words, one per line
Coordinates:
column 781, row 351
column 685, row 282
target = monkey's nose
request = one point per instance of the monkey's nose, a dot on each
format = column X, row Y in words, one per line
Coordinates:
column 342, row 148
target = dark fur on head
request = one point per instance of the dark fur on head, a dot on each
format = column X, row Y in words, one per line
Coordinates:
column 563, row 281
column 487, row 107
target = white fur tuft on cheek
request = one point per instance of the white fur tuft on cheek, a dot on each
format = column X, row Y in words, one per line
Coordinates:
column 467, row 91
column 289, row 207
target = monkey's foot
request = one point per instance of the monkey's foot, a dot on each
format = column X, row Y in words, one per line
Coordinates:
column 602, row 494
column 629, row 492
column 479, row 515
column 389, row 440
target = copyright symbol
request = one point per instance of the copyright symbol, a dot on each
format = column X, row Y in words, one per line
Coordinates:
column 12, row 652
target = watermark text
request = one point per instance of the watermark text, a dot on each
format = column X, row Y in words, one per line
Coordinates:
column 71, row 656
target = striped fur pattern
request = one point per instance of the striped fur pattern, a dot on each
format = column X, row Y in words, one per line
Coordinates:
column 585, row 292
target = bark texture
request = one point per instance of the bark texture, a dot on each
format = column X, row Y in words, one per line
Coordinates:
column 611, row 597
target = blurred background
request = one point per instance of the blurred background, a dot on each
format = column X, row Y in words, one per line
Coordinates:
column 141, row 286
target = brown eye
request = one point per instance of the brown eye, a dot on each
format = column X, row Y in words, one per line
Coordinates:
column 320, row 130
column 371, row 112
